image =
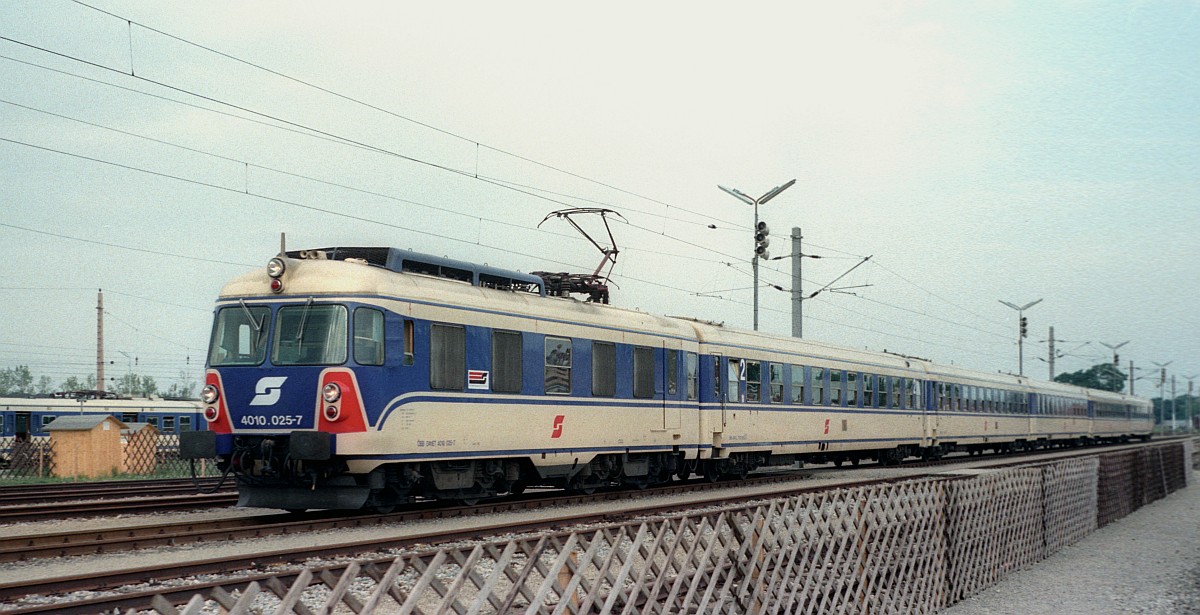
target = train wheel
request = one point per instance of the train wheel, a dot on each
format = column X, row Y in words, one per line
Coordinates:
column 710, row 472
column 686, row 469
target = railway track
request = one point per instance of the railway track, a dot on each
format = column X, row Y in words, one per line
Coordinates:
column 482, row 523
column 42, row 502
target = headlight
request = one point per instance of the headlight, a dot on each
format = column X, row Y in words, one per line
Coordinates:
column 332, row 392
column 275, row 267
column 209, row 394
column 211, row 414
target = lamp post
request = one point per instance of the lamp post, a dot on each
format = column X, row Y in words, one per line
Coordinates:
column 760, row 231
column 1022, row 331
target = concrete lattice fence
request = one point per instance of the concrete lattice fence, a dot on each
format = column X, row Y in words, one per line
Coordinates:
column 915, row 546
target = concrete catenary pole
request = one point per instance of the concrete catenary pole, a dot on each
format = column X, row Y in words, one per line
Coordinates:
column 797, row 292
column 100, row 339
column 1051, row 360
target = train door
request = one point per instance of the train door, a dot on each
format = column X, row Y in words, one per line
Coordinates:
column 21, row 429
column 933, row 395
column 720, row 386
column 669, row 392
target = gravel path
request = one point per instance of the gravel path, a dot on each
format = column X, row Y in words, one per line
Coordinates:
column 1148, row 562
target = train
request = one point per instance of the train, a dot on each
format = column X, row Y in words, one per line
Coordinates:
column 366, row 377
column 24, row 418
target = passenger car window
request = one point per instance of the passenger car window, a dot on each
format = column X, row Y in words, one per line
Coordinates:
column 447, row 357
column 604, row 369
column 506, row 361
column 558, row 366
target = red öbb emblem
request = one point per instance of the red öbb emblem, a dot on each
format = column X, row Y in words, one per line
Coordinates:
column 558, row 426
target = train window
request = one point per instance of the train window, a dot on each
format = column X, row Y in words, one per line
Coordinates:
column 46, row 420
column 672, row 372
column 851, row 389
column 447, row 357
column 408, row 342
column 168, row 424
column 835, row 387
column 604, row 369
column 693, row 375
column 776, row 370
column 797, row 384
column 153, row 420
column 129, row 417
column 185, row 423
column 897, row 386
column 753, row 380
column 643, row 372
column 239, row 336
column 818, row 387
column 558, row 366
column 716, row 378
column 881, row 391
column 310, row 335
column 914, row 393
column 734, row 375
column 868, row 390
column 506, row 361
column 368, row 336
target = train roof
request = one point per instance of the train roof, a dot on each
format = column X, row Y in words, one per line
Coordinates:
column 443, row 287
column 407, row 261
column 60, row 403
column 444, row 298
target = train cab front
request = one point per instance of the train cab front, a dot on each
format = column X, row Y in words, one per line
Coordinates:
column 280, row 387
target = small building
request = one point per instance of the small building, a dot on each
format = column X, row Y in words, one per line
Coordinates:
column 88, row 445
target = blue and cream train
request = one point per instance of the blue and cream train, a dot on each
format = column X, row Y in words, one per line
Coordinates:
column 352, row 377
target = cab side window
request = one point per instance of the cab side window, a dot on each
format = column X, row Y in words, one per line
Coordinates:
column 368, row 336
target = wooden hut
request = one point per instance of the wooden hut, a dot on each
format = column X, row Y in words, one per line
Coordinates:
column 88, row 445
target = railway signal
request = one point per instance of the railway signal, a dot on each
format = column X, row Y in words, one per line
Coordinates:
column 762, row 240
column 1023, row 331
column 758, row 226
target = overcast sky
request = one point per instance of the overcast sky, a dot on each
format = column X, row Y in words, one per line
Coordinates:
column 977, row 151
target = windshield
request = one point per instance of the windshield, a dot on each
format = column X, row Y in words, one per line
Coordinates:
column 239, row 336
column 310, row 335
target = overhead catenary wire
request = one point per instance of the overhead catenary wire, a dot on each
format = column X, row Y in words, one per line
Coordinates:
column 334, row 138
column 337, row 139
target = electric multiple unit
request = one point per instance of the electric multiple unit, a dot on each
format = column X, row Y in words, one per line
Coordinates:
column 366, row 377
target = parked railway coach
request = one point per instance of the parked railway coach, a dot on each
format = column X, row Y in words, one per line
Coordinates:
column 26, row 417
column 352, row 377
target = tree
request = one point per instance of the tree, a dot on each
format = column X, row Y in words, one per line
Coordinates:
column 16, row 380
column 45, row 385
column 1105, row 377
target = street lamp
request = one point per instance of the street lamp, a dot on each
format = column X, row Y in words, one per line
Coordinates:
column 1022, row 331
column 761, row 231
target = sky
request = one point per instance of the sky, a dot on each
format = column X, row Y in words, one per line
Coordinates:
column 977, row 152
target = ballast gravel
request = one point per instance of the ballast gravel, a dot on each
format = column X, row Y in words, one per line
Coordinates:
column 1146, row 563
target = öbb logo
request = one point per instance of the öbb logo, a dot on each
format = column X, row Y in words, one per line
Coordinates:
column 267, row 390
column 558, row 426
